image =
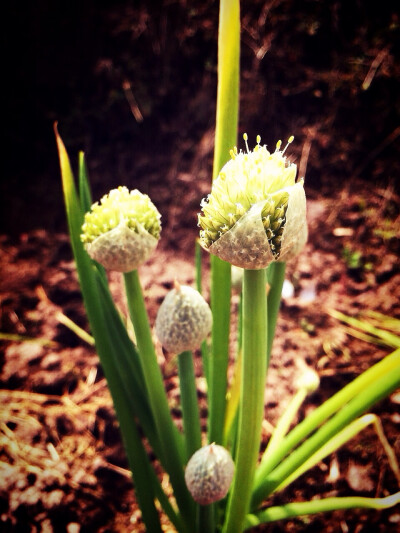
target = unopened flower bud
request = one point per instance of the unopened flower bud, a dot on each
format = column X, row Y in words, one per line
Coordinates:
column 256, row 212
column 183, row 320
column 209, row 474
column 122, row 230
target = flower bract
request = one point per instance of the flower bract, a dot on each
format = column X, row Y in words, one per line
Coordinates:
column 183, row 320
column 209, row 474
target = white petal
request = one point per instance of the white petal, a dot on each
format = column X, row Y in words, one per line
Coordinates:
column 295, row 232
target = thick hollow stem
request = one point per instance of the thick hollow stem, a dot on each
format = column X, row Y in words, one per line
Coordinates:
column 272, row 514
column 225, row 138
column 166, row 431
column 275, row 278
column 189, row 403
column 205, row 518
column 218, row 367
column 251, row 408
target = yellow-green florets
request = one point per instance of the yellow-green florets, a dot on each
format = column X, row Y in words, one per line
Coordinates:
column 121, row 206
column 249, row 178
column 122, row 230
column 253, row 185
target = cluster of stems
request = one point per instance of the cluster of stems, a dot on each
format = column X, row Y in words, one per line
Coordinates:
column 236, row 411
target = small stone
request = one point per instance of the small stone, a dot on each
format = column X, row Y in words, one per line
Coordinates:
column 73, row 527
column 51, row 361
column 46, row 527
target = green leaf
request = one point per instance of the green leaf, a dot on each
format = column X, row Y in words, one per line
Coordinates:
column 225, row 139
column 290, row 510
column 391, row 340
column 106, row 347
column 85, row 194
column 350, row 402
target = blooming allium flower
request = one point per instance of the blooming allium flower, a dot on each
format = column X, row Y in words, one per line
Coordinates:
column 256, row 211
column 122, row 230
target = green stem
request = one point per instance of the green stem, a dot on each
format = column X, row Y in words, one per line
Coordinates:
column 290, row 510
column 105, row 347
column 137, row 457
column 218, row 363
column 198, row 266
column 189, row 403
column 166, row 430
column 205, row 518
column 382, row 387
column 366, row 381
column 228, row 82
column 85, row 195
column 225, row 138
column 251, row 408
column 275, row 277
column 205, row 349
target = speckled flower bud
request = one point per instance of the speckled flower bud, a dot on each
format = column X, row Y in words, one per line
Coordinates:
column 183, row 320
column 256, row 212
column 209, row 474
column 122, row 231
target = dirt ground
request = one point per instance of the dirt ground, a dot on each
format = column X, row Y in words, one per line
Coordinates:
column 62, row 466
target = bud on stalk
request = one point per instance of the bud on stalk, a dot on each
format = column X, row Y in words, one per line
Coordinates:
column 256, row 212
column 122, row 230
column 209, row 474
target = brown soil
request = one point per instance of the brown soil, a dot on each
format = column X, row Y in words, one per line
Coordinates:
column 62, row 461
column 62, row 466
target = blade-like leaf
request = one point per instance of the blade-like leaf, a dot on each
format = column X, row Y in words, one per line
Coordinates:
column 283, row 512
column 382, row 387
column 105, row 345
column 85, row 195
column 391, row 340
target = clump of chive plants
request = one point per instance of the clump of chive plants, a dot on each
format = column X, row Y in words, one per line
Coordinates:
column 254, row 215
column 254, row 218
column 121, row 232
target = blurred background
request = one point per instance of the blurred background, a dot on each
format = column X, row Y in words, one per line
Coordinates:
column 133, row 85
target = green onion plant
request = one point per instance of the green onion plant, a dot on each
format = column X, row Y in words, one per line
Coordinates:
column 254, row 219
